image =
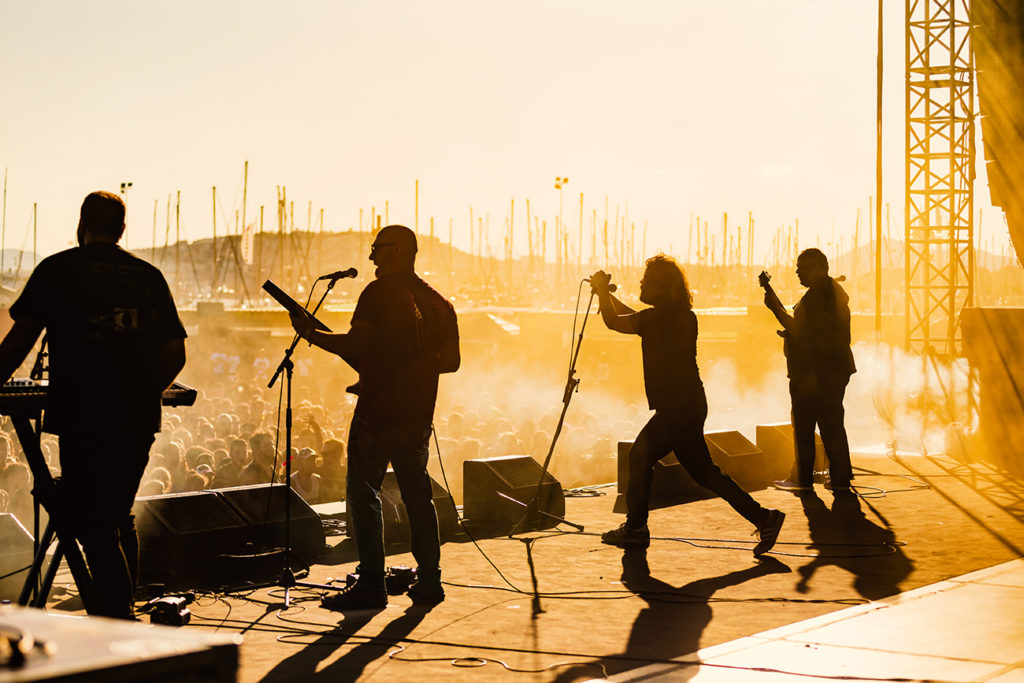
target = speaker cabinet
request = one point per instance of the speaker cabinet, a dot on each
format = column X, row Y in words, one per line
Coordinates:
column 776, row 440
column 671, row 484
column 737, row 457
column 515, row 476
column 180, row 535
column 396, row 517
column 262, row 508
column 196, row 539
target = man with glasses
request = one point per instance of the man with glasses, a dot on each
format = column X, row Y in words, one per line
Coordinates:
column 403, row 335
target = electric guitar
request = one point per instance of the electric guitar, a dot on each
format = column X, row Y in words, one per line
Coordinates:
column 764, row 280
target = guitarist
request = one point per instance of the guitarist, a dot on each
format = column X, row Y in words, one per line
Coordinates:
column 403, row 335
column 819, row 363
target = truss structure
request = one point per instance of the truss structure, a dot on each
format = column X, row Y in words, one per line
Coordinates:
column 939, row 175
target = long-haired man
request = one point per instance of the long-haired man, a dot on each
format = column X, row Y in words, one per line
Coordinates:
column 668, row 339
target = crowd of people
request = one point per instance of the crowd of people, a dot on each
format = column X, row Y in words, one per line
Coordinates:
column 234, row 436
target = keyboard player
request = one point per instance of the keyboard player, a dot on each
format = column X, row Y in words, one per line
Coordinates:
column 116, row 342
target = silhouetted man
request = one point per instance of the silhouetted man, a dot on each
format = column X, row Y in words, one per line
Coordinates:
column 116, row 343
column 668, row 339
column 403, row 335
column 819, row 362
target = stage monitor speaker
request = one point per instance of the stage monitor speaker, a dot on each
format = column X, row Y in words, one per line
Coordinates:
column 15, row 555
column 671, row 484
column 517, row 477
column 262, row 508
column 396, row 517
column 776, row 440
column 744, row 462
column 180, row 535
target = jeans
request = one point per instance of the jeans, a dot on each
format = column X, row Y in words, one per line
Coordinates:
column 680, row 431
column 405, row 447
column 819, row 401
column 100, row 475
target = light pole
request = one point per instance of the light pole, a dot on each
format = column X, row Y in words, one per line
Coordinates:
column 125, row 186
column 560, row 182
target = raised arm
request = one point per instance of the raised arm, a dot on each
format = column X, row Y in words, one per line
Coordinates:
column 774, row 304
column 615, row 314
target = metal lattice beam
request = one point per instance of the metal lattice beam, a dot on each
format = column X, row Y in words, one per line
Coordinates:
column 939, row 174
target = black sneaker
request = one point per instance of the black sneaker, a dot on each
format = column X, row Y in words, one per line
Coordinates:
column 624, row 536
column 426, row 593
column 768, row 531
column 838, row 488
column 792, row 486
column 356, row 597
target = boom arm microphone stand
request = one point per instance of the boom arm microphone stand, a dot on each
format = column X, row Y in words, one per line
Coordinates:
column 533, row 508
column 286, row 366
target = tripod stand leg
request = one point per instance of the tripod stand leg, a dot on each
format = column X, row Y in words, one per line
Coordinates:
column 44, row 487
column 51, row 572
column 42, row 545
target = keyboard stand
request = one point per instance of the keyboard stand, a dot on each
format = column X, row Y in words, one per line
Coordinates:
column 67, row 547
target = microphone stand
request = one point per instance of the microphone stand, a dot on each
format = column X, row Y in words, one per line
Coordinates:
column 533, row 508
column 286, row 366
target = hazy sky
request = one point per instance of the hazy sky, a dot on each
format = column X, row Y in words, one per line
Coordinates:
column 676, row 107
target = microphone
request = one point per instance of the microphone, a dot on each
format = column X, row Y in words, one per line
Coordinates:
column 339, row 274
column 611, row 286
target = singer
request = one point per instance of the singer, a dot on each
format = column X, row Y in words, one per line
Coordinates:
column 668, row 342
column 403, row 335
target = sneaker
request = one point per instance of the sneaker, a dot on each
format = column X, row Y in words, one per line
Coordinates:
column 837, row 488
column 768, row 532
column 356, row 597
column 792, row 486
column 623, row 536
column 426, row 593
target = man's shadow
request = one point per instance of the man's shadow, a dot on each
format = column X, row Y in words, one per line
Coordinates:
column 844, row 537
column 674, row 619
column 302, row 666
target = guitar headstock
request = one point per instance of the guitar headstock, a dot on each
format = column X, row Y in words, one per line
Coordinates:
column 763, row 278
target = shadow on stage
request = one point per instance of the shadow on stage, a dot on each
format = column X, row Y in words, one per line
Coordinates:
column 349, row 666
column 674, row 619
column 845, row 538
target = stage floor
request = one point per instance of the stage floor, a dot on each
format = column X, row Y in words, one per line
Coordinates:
column 876, row 575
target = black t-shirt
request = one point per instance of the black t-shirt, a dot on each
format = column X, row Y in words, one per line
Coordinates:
column 668, row 337
column 820, row 341
column 106, row 313
column 398, row 374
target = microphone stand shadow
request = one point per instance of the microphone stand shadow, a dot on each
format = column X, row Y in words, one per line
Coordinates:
column 536, row 514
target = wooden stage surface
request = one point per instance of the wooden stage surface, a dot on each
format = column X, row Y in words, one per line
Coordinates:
column 602, row 612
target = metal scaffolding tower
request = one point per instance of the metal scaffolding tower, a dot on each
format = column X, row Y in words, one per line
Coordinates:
column 939, row 190
column 939, row 174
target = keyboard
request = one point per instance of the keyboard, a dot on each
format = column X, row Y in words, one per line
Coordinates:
column 20, row 395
